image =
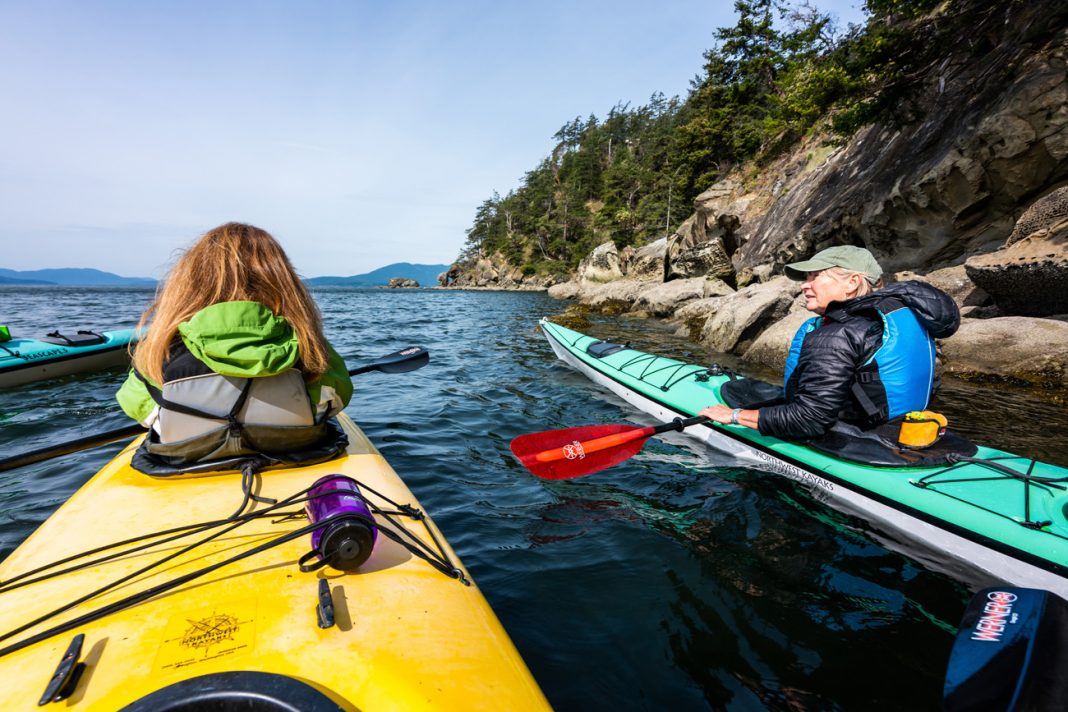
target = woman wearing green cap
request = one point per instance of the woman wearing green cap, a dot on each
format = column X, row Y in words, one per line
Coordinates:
column 867, row 357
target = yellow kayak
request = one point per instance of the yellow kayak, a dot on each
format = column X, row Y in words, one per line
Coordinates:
column 231, row 616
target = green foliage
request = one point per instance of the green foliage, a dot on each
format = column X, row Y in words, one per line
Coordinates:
column 780, row 72
column 901, row 8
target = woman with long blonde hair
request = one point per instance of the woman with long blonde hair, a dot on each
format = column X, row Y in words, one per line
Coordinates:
column 234, row 360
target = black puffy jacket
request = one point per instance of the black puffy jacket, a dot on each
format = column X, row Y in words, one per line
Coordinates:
column 820, row 388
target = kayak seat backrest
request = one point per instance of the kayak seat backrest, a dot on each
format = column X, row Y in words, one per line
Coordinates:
column 82, row 338
column 750, row 393
column 600, row 349
column 326, row 441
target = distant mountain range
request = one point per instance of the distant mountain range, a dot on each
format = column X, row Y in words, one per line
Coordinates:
column 425, row 275
column 71, row 277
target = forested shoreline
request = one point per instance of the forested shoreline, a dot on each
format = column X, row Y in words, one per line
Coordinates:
column 784, row 71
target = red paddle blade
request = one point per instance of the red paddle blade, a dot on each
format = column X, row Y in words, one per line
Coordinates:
column 573, row 452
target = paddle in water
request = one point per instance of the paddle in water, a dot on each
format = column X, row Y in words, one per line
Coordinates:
column 574, row 452
column 407, row 359
column 402, row 361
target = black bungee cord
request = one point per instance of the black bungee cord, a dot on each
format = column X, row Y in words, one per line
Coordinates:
column 396, row 532
column 145, row 595
column 178, row 533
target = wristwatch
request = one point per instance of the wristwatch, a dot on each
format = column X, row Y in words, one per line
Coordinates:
column 734, row 415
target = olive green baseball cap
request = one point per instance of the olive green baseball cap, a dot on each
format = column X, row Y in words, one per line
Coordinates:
column 854, row 259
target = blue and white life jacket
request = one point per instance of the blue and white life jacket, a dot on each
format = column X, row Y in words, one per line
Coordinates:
column 898, row 377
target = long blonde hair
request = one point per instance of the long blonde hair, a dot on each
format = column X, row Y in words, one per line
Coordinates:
column 233, row 262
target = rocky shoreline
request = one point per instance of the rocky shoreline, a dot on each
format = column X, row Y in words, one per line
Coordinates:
column 1014, row 302
column 1002, row 338
column 757, row 323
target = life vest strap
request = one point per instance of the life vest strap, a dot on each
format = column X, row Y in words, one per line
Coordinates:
column 870, row 409
column 231, row 417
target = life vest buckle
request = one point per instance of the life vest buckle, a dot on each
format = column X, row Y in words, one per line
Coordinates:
column 233, row 426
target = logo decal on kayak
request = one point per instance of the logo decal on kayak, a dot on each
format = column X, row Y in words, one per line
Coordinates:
column 818, row 487
column 209, row 635
column 574, row 451
column 210, row 631
column 49, row 353
column 997, row 613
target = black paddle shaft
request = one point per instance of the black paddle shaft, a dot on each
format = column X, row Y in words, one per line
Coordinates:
column 89, row 441
column 402, row 361
column 680, row 424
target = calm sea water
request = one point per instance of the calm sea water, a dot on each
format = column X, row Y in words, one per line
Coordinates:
column 677, row 580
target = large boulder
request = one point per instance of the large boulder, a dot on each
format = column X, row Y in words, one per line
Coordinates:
column 565, row 290
column 772, row 346
column 954, row 281
column 1012, row 348
column 741, row 317
column 537, row 282
column 601, row 265
column 1029, row 276
column 704, row 243
column 613, row 297
column 1049, row 210
column 693, row 316
column 709, row 258
column 646, row 262
column 486, row 272
column 665, row 298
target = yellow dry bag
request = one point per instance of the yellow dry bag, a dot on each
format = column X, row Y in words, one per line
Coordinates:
column 922, row 428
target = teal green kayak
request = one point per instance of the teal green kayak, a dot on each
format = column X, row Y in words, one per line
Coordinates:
column 61, row 354
column 985, row 516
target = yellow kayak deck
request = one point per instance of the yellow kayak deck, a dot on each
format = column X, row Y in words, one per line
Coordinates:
column 406, row 637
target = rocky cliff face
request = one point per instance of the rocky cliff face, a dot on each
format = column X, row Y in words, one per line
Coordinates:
column 926, row 195
column 1029, row 275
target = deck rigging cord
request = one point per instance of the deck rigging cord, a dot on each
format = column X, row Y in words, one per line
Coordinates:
column 1000, row 472
column 648, row 361
column 396, row 532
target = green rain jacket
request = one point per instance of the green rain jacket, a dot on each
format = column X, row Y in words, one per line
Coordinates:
column 244, row 340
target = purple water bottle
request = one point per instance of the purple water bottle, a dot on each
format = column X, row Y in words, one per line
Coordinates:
column 347, row 541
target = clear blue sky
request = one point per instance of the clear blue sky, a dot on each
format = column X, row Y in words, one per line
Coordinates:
column 358, row 133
